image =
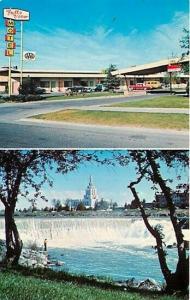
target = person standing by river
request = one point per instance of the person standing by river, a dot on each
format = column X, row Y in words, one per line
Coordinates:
column 45, row 245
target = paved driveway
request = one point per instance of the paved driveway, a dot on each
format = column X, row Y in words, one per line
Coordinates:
column 17, row 133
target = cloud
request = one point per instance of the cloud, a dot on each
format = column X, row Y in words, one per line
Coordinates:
column 63, row 49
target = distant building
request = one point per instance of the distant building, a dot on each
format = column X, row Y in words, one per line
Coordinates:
column 180, row 199
column 90, row 196
column 72, row 203
column 148, row 205
column 89, row 200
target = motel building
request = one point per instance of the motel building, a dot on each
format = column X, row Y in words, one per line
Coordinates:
column 51, row 80
column 60, row 80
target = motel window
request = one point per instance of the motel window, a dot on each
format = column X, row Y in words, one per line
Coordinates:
column 45, row 84
column 53, row 84
column 68, row 83
column 91, row 83
column 84, row 82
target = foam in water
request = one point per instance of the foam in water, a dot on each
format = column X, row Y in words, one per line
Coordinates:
column 88, row 232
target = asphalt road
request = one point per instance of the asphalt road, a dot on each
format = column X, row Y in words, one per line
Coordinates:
column 15, row 132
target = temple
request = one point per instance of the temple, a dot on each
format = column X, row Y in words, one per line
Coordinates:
column 90, row 196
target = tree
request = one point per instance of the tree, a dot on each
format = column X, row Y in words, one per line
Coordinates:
column 148, row 167
column 134, row 204
column 184, row 43
column 80, row 207
column 28, row 87
column 57, row 204
column 101, row 205
column 111, row 82
column 20, row 173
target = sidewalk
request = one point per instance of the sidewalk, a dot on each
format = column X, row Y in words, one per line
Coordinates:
column 136, row 109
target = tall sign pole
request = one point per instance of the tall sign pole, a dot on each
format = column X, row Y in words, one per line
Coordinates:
column 10, row 46
column 9, row 80
column 15, row 14
column 21, row 52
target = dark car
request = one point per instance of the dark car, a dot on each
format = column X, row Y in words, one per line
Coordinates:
column 39, row 91
column 77, row 89
column 100, row 88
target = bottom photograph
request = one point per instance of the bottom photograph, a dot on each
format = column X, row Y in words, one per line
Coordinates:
column 91, row 224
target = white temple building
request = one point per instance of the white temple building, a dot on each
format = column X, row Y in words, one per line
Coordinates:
column 90, row 196
column 89, row 199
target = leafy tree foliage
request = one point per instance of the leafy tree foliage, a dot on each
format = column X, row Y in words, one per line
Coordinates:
column 81, row 207
column 111, row 82
column 148, row 167
column 20, row 173
column 184, row 42
column 28, row 87
column 101, row 205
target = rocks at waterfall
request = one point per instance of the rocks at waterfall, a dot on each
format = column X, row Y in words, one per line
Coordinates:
column 33, row 259
column 29, row 258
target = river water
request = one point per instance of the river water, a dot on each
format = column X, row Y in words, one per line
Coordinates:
column 115, row 248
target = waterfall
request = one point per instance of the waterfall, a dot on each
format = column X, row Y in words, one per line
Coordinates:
column 89, row 232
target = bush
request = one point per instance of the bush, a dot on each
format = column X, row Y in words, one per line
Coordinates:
column 23, row 98
column 33, row 246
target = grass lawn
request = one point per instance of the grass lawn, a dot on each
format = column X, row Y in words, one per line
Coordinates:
column 169, row 121
column 19, row 287
column 158, row 102
column 87, row 95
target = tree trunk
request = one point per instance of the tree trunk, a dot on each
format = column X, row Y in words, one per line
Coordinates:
column 179, row 281
column 13, row 241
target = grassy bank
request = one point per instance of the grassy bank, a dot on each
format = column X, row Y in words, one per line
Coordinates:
column 150, row 120
column 18, row 287
column 158, row 102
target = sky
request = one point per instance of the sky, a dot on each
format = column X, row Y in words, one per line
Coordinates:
column 90, row 35
column 111, row 183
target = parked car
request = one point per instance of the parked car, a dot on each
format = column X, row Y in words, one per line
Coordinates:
column 39, row 91
column 138, row 86
column 76, row 89
column 118, row 90
column 100, row 88
column 153, row 84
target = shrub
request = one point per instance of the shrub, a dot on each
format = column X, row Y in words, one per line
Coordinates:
column 32, row 245
column 23, row 98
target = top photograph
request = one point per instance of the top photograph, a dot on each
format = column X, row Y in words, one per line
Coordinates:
column 101, row 74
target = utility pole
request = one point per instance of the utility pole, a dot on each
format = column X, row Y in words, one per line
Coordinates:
column 171, row 83
column 21, row 53
column 9, row 79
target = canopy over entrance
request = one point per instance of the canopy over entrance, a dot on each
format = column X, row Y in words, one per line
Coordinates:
column 151, row 68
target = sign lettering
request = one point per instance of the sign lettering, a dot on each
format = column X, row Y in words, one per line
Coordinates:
column 16, row 14
column 9, row 23
column 9, row 38
column 11, row 30
column 9, row 52
column 11, row 45
column 29, row 55
column 174, row 68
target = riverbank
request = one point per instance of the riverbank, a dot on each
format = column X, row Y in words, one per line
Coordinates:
column 118, row 213
column 27, row 284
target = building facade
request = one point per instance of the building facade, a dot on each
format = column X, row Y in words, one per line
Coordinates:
column 180, row 200
column 89, row 199
column 51, row 80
